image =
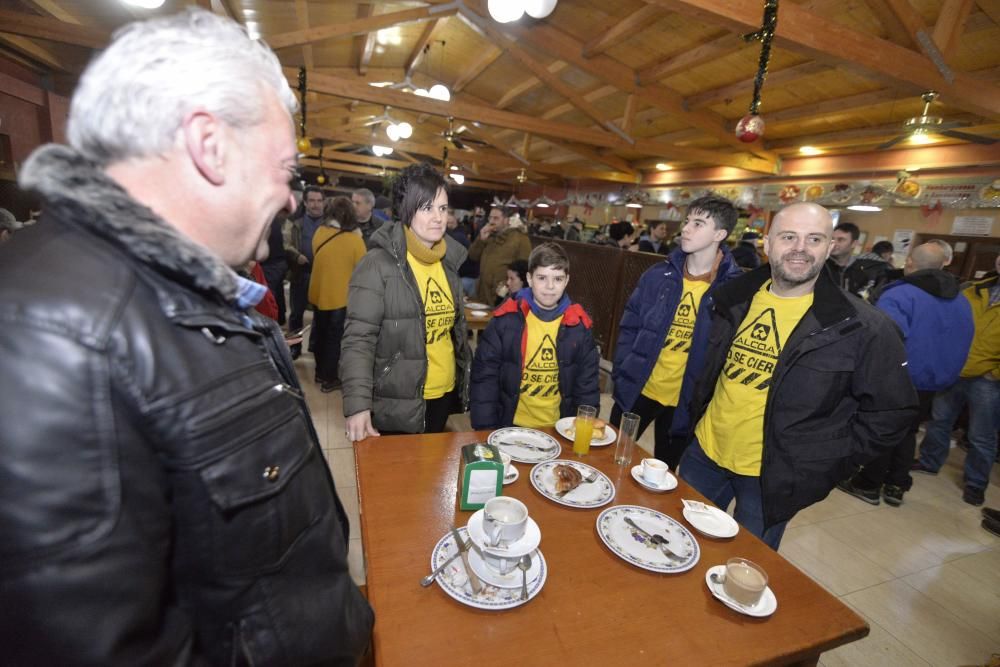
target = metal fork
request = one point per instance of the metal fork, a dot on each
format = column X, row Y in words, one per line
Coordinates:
column 526, row 445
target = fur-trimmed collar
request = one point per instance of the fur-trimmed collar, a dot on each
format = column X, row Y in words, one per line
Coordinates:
column 78, row 192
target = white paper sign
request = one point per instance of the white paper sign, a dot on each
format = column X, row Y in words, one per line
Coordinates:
column 901, row 239
column 972, row 225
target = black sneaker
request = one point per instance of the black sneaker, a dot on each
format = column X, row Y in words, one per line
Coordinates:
column 870, row 496
column 990, row 513
column 921, row 468
column 892, row 495
column 974, row 496
column 991, row 526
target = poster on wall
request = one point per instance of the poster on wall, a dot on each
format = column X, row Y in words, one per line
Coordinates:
column 972, row 225
column 901, row 239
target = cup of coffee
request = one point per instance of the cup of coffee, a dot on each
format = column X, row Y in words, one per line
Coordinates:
column 505, row 457
column 504, row 521
column 654, row 471
column 745, row 581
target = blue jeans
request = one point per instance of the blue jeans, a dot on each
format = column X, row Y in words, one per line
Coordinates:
column 983, row 397
column 721, row 486
column 469, row 287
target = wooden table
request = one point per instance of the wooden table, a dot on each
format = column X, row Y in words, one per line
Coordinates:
column 595, row 609
column 477, row 323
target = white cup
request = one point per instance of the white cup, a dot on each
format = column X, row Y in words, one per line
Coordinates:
column 654, row 471
column 501, row 564
column 504, row 520
column 505, row 457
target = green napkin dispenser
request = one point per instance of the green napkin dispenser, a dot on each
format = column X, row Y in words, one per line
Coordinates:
column 480, row 475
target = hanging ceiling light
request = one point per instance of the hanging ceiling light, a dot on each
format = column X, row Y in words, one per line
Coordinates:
column 538, row 9
column 392, row 131
column 379, row 151
column 458, row 178
column 145, row 4
column 405, row 130
column 439, row 92
column 505, row 11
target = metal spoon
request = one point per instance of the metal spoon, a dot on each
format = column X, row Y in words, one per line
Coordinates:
column 524, row 564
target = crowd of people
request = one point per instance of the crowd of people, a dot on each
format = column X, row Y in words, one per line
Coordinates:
column 161, row 469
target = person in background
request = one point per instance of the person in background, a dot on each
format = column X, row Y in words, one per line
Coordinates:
column 165, row 500
column 945, row 247
column 621, row 235
column 978, row 387
column 275, row 267
column 337, row 248
column 297, row 236
column 405, row 357
column 656, row 240
column 937, row 327
column 797, row 383
column 268, row 305
column 845, row 240
column 517, row 279
column 658, row 323
column 498, row 245
column 363, row 200
column 745, row 252
column 456, row 232
column 574, row 231
column 536, row 362
column 870, row 272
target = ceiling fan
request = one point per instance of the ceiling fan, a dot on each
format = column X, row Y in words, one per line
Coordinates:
column 925, row 123
column 452, row 135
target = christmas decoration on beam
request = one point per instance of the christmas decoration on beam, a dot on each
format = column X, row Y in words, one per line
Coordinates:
column 303, row 144
column 751, row 126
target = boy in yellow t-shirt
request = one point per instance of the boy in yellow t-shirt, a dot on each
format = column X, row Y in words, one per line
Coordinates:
column 536, row 361
column 658, row 325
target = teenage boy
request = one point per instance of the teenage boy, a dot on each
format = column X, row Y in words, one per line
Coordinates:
column 657, row 327
column 536, row 362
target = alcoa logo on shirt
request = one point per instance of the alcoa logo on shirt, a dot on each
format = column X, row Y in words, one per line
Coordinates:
column 541, row 374
column 439, row 311
column 755, row 351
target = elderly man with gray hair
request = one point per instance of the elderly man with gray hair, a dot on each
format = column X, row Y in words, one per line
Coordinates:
column 164, row 497
column 364, row 204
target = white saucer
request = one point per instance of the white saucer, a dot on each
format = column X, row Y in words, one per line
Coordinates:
column 767, row 605
column 512, row 477
column 669, row 482
column 564, row 425
column 475, row 305
column 529, row 541
column 715, row 524
column 479, row 313
column 510, row 580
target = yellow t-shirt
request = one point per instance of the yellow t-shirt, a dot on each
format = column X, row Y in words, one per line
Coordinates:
column 538, row 403
column 439, row 319
column 664, row 383
column 732, row 430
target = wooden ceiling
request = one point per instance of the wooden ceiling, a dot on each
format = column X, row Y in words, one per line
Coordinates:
column 604, row 90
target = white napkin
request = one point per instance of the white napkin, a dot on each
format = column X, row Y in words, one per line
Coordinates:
column 696, row 506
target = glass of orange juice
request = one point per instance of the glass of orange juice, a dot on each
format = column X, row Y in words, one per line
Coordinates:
column 584, row 425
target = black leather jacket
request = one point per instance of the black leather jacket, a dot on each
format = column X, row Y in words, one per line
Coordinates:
column 163, row 496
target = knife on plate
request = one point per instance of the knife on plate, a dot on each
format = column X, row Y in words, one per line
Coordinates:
column 463, row 549
column 658, row 540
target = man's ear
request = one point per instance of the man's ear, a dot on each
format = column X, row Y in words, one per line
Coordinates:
column 205, row 143
column 767, row 245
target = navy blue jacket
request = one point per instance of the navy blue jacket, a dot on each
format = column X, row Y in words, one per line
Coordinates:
column 496, row 370
column 647, row 319
column 936, row 321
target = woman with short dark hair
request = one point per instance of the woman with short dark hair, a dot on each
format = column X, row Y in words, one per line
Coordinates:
column 405, row 357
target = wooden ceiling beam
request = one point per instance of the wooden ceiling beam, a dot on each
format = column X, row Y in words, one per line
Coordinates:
column 817, row 37
column 363, row 45
column 34, row 51
column 992, row 9
column 895, row 30
column 950, row 25
column 54, row 30
column 544, row 37
column 302, row 20
column 778, row 77
column 836, row 105
column 598, row 92
column 625, row 29
column 714, row 49
column 330, row 156
column 519, row 89
column 420, row 47
column 485, row 114
column 358, row 26
column 600, row 157
column 477, row 68
column 628, row 118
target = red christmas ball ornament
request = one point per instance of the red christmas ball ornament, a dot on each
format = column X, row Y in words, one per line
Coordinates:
column 750, row 128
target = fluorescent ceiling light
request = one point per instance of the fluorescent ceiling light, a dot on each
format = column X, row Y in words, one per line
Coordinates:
column 662, row 166
column 864, row 207
column 633, row 204
column 458, row 178
column 810, row 150
column 147, row 4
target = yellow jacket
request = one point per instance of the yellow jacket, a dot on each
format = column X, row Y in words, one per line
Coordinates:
column 333, row 266
column 984, row 355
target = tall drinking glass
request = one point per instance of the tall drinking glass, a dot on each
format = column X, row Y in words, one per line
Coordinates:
column 626, row 439
column 584, row 425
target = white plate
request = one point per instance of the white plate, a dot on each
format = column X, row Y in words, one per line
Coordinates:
column 586, row 496
column 631, row 546
column 475, row 305
column 528, row 542
column 510, row 580
column 455, row 582
column 512, row 476
column 504, row 437
column 564, row 425
column 767, row 605
column 669, row 482
column 714, row 524
column 479, row 313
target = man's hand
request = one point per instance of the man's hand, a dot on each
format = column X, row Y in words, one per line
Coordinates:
column 359, row 426
column 302, row 259
column 485, row 232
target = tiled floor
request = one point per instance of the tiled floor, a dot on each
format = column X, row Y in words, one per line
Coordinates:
column 925, row 575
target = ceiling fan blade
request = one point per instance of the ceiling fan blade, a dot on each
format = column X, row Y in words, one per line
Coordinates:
column 892, row 142
column 458, row 143
column 965, row 136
